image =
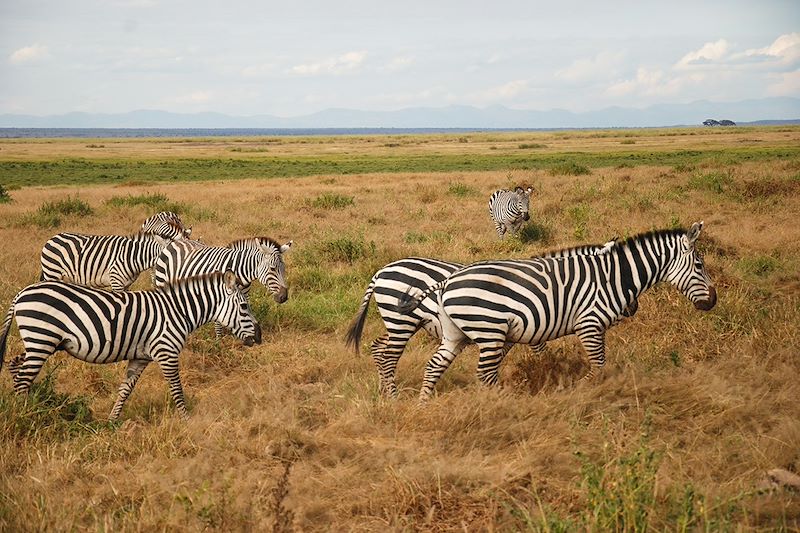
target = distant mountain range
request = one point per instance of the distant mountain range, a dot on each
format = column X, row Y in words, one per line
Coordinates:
column 783, row 109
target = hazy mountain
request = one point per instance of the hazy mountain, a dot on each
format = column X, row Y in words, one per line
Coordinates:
column 766, row 109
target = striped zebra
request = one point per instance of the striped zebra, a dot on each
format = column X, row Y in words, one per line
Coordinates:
column 509, row 209
column 104, row 261
column 391, row 282
column 164, row 224
column 536, row 300
column 254, row 258
column 99, row 326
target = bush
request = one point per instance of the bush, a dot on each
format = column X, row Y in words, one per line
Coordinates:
column 570, row 168
column 527, row 146
column 461, row 190
column 536, row 232
column 155, row 202
column 49, row 214
column 332, row 201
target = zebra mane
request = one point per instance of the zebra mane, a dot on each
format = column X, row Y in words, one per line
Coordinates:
column 170, row 223
column 650, row 236
column 559, row 252
column 251, row 242
column 190, row 280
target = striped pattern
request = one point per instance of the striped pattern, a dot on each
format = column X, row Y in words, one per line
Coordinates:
column 533, row 301
column 167, row 225
column 509, row 209
column 256, row 258
column 388, row 286
column 98, row 326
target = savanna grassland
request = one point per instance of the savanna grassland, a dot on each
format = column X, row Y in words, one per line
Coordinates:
column 677, row 433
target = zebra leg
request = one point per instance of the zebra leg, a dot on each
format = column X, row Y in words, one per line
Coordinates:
column 386, row 352
column 135, row 369
column 28, row 366
column 593, row 340
column 219, row 330
column 539, row 347
column 441, row 360
column 15, row 364
column 169, row 367
column 500, row 228
column 492, row 354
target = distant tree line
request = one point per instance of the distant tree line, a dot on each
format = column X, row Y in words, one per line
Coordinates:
column 712, row 122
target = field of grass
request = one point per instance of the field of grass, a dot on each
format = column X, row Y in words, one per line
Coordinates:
column 677, row 432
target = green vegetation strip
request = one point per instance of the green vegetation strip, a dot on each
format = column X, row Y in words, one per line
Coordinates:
column 87, row 171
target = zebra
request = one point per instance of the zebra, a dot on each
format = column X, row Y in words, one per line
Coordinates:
column 254, row 258
column 99, row 326
column 509, row 209
column 160, row 224
column 392, row 281
column 103, row 261
column 494, row 303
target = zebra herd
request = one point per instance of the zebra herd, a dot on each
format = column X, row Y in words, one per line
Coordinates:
column 583, row 290
column 195, row 284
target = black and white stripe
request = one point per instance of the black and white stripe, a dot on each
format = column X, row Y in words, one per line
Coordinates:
column 256, row 258
column 99, row 326
column 509, row 209
column 388, row 286
column 532, row 301
column 109, row 261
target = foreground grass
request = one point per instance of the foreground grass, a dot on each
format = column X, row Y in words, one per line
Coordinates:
column 676, row 434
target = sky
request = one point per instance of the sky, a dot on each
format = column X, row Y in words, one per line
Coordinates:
column 294, row 58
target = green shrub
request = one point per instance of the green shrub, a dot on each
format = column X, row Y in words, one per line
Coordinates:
column 527, row 146
column 759, row 266
column 332, row 201
column 155, row 202
column 536, row 232
column 461, row 189
column 569, row 168
column 627, row 141
column 4, row 196
column 716, row 182
column 580, row 215
column 49, row 214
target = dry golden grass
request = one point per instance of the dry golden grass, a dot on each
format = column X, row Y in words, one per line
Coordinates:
column 690, row 412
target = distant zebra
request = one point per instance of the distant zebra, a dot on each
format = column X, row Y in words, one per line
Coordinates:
column 390, row 283
column 103, row 261
column 509, row 209
column 98, row 326
column 536, row 300
column 258, row 258
column 164, row 224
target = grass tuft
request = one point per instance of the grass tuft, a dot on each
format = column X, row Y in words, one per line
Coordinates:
column 50, row 214
column 461, row 190
column 155, row 202
column 569, row 168
column 330, row 200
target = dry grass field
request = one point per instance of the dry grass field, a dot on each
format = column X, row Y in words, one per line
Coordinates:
column 677, row 433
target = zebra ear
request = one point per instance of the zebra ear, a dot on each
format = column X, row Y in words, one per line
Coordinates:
column 230, row 280
column 694, row 233
column 285, row 248
column 529, row 190
column 519, row 190
column 187, row 232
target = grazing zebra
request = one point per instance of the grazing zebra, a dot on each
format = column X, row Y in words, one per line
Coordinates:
column 99, row 326
column 258, row 258
column 103, row 261
column 536, row 300
column 509, row 209
column 164, row 224
column 391, row 282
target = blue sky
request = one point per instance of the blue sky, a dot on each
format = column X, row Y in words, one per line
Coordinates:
column 292, row 58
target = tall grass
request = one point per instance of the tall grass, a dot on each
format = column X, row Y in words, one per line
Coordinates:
column 51, row 214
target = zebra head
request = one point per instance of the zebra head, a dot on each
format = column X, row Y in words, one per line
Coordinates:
column 271, row 269
column 234, row 312
column 687, row 272
column 167, row 225
column 524, row 201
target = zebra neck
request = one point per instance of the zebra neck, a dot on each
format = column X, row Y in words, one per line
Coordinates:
column 244, row 263
column 145, row 250
column 195, row 302
column 641, row 265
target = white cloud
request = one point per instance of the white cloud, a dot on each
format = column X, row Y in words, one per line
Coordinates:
column 259, row 71
column 785, row 50
column 399, row 63
column 652, row 82
column 29, row 54
column 708, row 53
column 342, row 64
column 600, row 67
column 499, row 93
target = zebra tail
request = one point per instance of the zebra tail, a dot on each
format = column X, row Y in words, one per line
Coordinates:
column 356, row 328
column 408, row 303
column 4, row 331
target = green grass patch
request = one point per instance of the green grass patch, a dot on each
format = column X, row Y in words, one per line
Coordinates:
column 530, row 146
column 627, row 141
column 51, row 214
column 758, row 266
column 716, row 182
column 154, row 202
column 461, row 190
column 580, row 214
column 5, row 197
column 330, row 200
column 569, row 168
column 80, row 171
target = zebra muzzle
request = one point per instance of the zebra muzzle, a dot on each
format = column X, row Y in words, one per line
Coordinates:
column 707, row 305
column 281, row 296
column 526, row 217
